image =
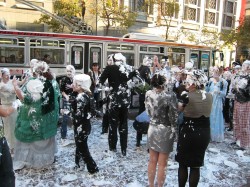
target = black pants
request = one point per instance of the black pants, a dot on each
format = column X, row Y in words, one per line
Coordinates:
column 141, row 103
column 105, row 122
column 82, row 149
column 7, row 175
column 118, row 117
column 141, row 128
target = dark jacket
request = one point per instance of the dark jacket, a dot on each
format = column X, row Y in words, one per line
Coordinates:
column 119, row 96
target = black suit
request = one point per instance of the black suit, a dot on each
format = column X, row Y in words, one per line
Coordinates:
column 118, row 105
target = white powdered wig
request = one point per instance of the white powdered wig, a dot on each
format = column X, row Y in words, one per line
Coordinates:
column 119, row 59
column 110, row 60
column 33, row 62
column 35, row 88
column 198, row 78
column 175, row 69
column 189, row 65
column 246, row 62
column 5, row 71
column 83, row 81
column 147, row 61
column 71, row 68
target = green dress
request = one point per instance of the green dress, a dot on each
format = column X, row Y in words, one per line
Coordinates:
column 37, row 124
column 29, row 119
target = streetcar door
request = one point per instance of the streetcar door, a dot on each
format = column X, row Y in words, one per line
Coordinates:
column 205, row 61
column 195, row 57
column 95, row 54
column 77, row 56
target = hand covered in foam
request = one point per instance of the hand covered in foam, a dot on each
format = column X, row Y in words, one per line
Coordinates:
column 17, row 103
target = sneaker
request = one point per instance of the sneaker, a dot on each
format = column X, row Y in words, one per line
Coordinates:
column 65, row 142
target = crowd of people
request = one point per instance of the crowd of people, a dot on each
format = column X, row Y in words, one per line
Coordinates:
column 176, row 104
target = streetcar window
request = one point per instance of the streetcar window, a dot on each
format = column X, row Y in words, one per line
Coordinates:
column 130, row 58
column 177, row 50
column 114, row 46
column 12, row 55
column 50, row 43
column 95, row 55
column 151, row 56
column 77, row 57
column 61, row 43
column 143, row 48
column 154, row 49
column 53, row 56
column 21, row 42
column 8, row 41
column 34, row 42
column 127, row 47
column 195, row 58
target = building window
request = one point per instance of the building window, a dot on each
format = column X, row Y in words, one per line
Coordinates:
column 229, row 7
column 212, row 12
column 211, row 4
column 137, row 5
column 150, row 7
column 229, row 13
column 192, row 10
column 165, row 12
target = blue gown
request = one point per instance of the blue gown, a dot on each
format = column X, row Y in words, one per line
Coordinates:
column 218, row 91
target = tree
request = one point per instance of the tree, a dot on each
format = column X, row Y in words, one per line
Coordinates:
column 239, row 37
column 113, row 14
column 208, row 37
column 167, row 9
column 66, row 9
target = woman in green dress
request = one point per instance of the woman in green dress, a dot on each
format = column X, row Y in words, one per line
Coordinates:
column 36, row 126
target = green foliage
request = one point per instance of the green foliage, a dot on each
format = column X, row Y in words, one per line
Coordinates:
column 62, row 8
column 113, row 14
column 53, row 24
column 142, row 88
column 238, row 36
column 167, row 9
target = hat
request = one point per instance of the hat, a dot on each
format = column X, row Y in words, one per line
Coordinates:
column 83, row 81
column 5, row 70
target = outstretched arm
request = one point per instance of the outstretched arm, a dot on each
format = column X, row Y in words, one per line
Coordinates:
column 6, row 111
column 18, row 91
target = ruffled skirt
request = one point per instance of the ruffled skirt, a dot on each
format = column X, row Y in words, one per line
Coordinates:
column 36, row 155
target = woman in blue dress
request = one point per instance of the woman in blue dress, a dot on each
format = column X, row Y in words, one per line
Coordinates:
column 217, row 86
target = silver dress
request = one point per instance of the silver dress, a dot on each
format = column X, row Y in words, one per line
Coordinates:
column 162, row 110
column 8, row 96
